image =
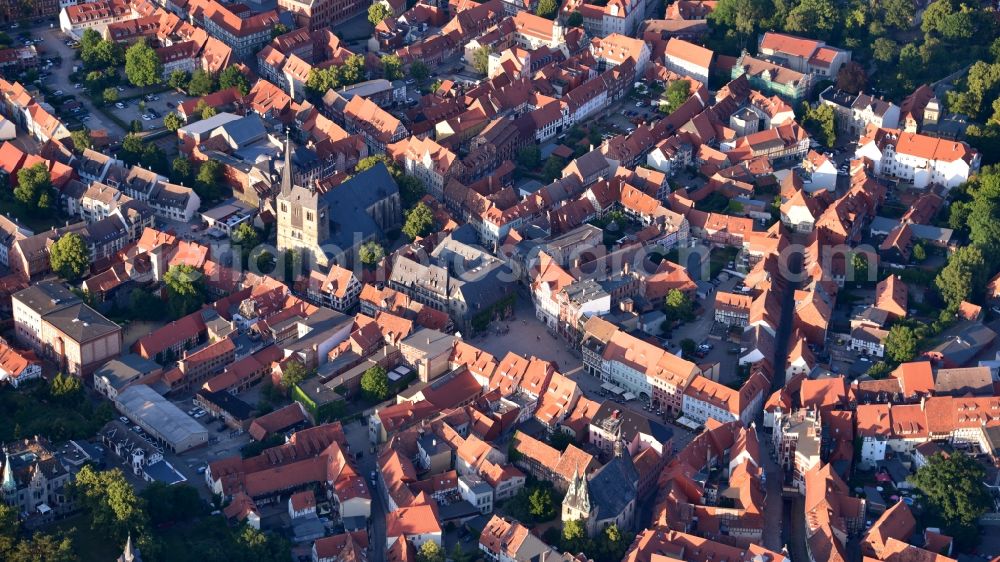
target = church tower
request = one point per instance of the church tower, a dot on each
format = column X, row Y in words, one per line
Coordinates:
column 303, row 215
column 130, row 554
column 576, row 504
column 9, row 484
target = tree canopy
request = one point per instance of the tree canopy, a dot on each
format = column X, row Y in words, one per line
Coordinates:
column 142, row 65
column 231, row 77
column 418, row 221
column 902, row 343
column 185, row 292
column 293, row 373
column 34, row 188
column 547, row 9
column 375, row 384
column 378, row 12
column 955, row 490
column 371, row 253
column 481, row 59
column 69, row 256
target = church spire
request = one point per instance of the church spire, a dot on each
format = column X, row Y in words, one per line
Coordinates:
column 286, row 172
column 131, row 554
column 9, row 484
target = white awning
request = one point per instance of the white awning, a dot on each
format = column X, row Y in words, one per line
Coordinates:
column 687, row 422
column 628, row 396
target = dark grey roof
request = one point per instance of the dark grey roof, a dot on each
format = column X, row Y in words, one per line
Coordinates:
column 245, row 130
column 613, row 486
column 349, row 202
column 125, row 369
column 81, row 323
column 46, row 296
column 228, row 403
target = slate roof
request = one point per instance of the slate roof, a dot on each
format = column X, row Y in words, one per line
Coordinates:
column 613, row 486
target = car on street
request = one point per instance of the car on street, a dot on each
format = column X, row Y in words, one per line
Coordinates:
column 123, row 419
column 57, row 93
column 147, row 118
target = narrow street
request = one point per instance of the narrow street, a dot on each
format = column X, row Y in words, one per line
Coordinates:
column 357, row 438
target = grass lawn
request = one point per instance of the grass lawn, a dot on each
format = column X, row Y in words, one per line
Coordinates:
column 87, row 544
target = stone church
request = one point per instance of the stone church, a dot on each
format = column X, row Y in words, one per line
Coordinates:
column 607, row 497
column 330, row 226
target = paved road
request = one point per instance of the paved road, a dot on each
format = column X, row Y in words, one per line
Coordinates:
column 357, row 437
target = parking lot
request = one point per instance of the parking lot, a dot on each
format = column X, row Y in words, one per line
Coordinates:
column 155, row 107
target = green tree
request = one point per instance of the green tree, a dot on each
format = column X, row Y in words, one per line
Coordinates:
column 132, row 148
column 245, row 237
column 69, row 257
column 574, row 535
column 201, row 83
column 430, row 551
column 820, row 122
column 353, row 70
column 919, row 253
column 34, row 187
column 481, row 59
column 323, row 79
column 818, row 18
column 206, row 183
column 185, row 292
column 375, row 384
column 688, row 347
column 529, row 157
column 293, row 373
column 547, row 9
column 209, row 111
column 378, row 12
column 142, row 65
column 955, row 490
column 180, row 170
column 419, row 221
column 741, row 16
column 172, row 503
column 541, row 506
column 419, row 71
column 553, row 167
column 678, row 306
column 172, row 121
column 81, row 140
column 109, row 95
column 146, row 306
column 8, row 528
column 115, row 509
column 898, row 13
column 885, row 50
column 65, row 387
column 392, row 67
column 278, row 30
column 42, row 548
column 560, row 440
column 676, row 94
column 371, row 253
column 231, row 77
column 963, row 276
column 902, row 343
column 574, row 20
column 178, row 79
